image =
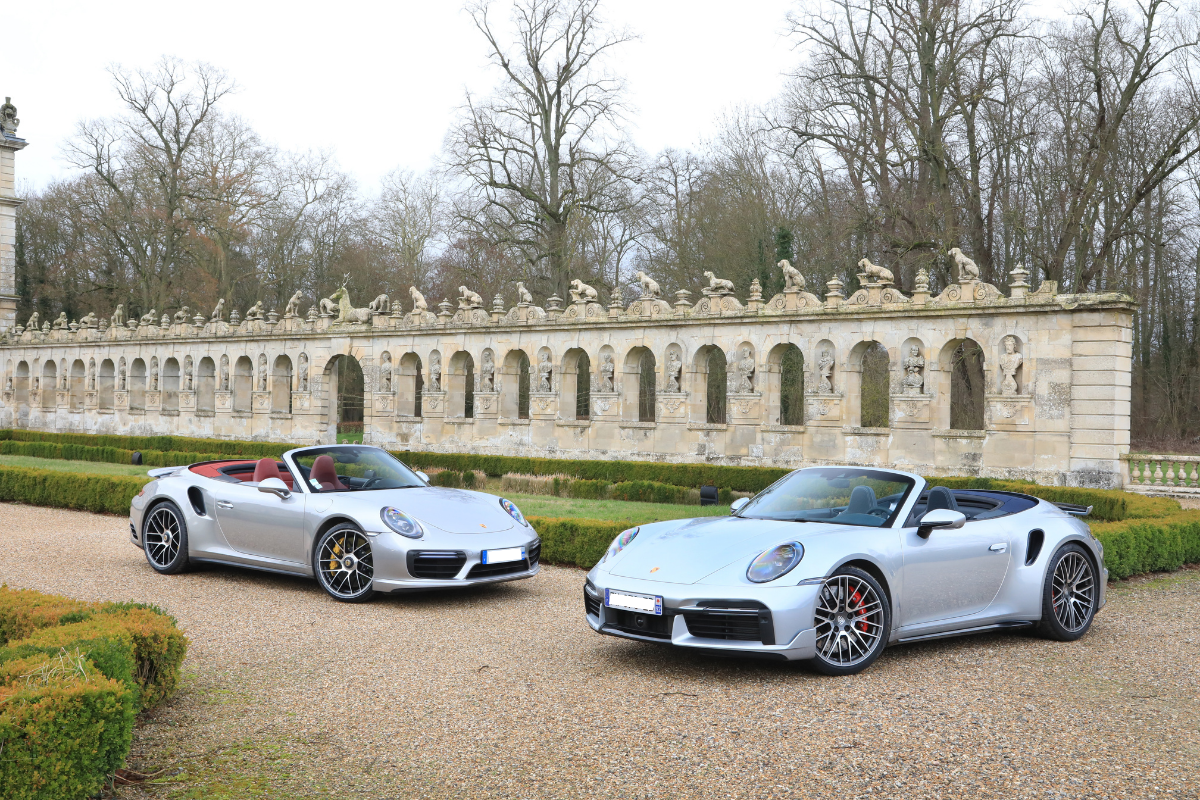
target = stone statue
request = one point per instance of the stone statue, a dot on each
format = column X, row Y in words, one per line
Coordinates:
column 255, row 311
column 581, row 292
column 718, row 285
column 262, row 372
column 89, row 320
column 328, row 306
column 292, row 309
column 117, row 319
column 218, row 312
column 121, row 382
column 435, row 372
column 224, row 373
column 181, row 316
column 149, row 318
column 385, row 373
column 1009, row 362
column 487, row 373
column 607, row 373
column 8, row 117
column 674, row 368
column 61, row 322
column 380, row 305
column 418, row 299
column 188, row 382
column 8, row 384
column 154, row 374
column 46, row 326
column 650, row 288
column 792, row 279
column 91, row 374
column 874, row 273
column 64, row 380
column 968, row 270
column 33, row 322
column 745, row 371
column 545, row 371
column 825, row 370
column 523, row 295
column 922, row 284
column 914, row 366
column 468, row 299
column 303, row 369
column 36, row 385
column 347, row 313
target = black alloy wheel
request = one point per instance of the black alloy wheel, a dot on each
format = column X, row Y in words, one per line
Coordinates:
column 853, row 620
column 344, row 564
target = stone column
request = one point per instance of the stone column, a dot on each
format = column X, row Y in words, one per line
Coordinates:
column 9, row 145
column 1101, row 378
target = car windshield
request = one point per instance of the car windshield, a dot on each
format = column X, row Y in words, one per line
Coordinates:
column 840, row 495
column 353, row 469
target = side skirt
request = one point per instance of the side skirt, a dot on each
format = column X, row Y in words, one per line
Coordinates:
column 222, row 562
column 1000, row 626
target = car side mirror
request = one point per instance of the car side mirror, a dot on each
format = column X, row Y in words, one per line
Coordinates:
column 422, row 476
column 940, row 518
column 274, row 486
column 736, row 505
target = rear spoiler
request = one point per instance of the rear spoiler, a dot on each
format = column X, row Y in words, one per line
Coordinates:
column 1074, row 510
column 162, row 472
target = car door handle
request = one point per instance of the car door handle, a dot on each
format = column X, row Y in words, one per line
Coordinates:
column 999, row 547
column 224, row 504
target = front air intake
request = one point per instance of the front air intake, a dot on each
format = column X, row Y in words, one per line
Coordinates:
column 1034, row 548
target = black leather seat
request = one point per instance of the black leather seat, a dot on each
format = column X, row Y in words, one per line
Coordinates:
column 940, row 497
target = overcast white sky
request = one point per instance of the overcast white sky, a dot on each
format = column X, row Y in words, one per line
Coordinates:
column 377, row 83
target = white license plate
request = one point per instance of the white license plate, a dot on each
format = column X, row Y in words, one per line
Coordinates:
column 501, row 556
column 647, row 604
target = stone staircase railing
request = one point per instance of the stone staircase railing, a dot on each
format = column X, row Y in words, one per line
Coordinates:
column 1162, row 474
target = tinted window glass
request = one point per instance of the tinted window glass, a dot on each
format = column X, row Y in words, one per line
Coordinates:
column 843, row 496
column 353, row 469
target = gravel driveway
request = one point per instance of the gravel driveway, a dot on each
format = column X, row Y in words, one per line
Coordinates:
column 505, row 692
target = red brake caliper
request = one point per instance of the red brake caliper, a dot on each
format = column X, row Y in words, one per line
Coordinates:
column 861, row 624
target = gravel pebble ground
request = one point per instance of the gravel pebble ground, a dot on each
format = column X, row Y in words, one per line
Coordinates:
column 505, row 692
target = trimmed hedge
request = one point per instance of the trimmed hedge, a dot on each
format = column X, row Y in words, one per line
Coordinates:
column 1136, row 546
column 72, row 676
column 106, row 494
column 575, row 542
column 182, row 444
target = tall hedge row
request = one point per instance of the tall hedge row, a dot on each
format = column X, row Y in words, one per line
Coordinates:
column 104, row 494
column 72, row 676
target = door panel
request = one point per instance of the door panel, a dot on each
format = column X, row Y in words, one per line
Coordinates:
column 953, row 573
column 262, row 524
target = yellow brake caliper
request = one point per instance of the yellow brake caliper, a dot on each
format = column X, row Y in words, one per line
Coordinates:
column 337, row 551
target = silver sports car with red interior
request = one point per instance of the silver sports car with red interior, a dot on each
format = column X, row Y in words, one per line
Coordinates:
column 352, row 516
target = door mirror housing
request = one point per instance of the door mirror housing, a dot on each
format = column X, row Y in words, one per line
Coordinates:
column 940, row 518
column 422, row 476
column 274, row 486
column 737, row 505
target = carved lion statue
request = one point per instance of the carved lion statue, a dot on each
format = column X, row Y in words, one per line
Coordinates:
column 580, row 291
column 716, row 284
column 875, row 273
column 468, row 299
column 649, row 285
column 255, row 311
column 968, row 270
column 181, row 316
column 523, row 295
column 218, row 312
column 418, row 299
column 61, row 322
column 117, row 319
column 33, row 322
column 792, row 279
column 292, row 308
column 380, row 304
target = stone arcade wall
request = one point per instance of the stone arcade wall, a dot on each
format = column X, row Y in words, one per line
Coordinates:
column 1057, row 376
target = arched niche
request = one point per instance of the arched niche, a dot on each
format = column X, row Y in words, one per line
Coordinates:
column 575, row 385
column 21, row 385
column 709, row 385
column 409, row 383
column 78, row 384
column 783, row 384
column 639, row 384
column 605, row 370
column 543, row 376
column 460, row 385
column 488, row 375
column 963, row 381
column 106, row 384
column 170, row 386
column 914, row 367
column 1010, row 366
column 243, row 385
column 343, row 379
column 383, row 381
column 48, row 384
column 206, row 386
column 868, row 375
column 137, row 385
column 514, row 385
column 281, row 385
column 825, row 377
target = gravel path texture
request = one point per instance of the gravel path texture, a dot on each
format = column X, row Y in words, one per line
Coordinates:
column 505, row 692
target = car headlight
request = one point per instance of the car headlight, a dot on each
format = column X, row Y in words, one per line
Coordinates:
column 775, row 563
column 513, row 511
column 401, row 523
column 621, row 542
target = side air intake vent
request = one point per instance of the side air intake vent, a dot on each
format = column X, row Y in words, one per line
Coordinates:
column 197, row 499
column 1034, row 549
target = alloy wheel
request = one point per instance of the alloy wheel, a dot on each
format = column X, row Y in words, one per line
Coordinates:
column 345, row 564
column 161, row 537
column 1073, row 591
column 849, row 621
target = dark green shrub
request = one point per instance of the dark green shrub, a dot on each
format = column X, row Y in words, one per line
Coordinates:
column 468, row 479
column 110, row 494
column 649, row 492
column 448, row 478
column 574, row 542
column 23, row 611
column 589, row 490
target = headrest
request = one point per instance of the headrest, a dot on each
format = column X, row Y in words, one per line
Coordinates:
column 940, row 497
column 862, row 500
column 266, row 468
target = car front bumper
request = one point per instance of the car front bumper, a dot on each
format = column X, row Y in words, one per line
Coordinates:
column 772, row 623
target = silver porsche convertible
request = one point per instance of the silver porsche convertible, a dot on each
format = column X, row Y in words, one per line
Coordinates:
column 831, row 564
column 354, row 517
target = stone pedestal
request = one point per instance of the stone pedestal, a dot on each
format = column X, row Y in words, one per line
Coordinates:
column 543, row 405
column 910, row 410
column 487, row 405
column 672, row 407
column 91, row 399
column 153, row 401
column 301, row 402
column 1009, row 411
column 822, row 409
column 744, row 409
column 260, row 402
column 383, row 403
column 120, row 400
column 606, row 406
column 433, row 405
column 187, row 401
column 224, row 401
column 63, row 399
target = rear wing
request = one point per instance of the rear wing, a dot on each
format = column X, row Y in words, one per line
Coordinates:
column 1074, row 510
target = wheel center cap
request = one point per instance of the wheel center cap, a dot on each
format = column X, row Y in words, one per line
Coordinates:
column 348, row 563
column 841, row 621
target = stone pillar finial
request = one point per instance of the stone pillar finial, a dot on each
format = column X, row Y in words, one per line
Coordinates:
column 833, row 298
column 1018, row 282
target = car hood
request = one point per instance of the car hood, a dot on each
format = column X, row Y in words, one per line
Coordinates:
column 452, row 510
column 690, row 552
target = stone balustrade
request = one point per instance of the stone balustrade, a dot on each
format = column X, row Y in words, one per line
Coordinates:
column 1153, row 474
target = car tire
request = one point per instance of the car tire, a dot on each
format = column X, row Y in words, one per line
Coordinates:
column 853, row 621
column 165, row 538
column 344, row 564
column 1069, row 594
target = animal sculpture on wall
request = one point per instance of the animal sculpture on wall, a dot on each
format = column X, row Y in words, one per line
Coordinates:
column 718, row 285
column 875, row 273
column 581, row 292
column 968, row 270
column 792, row 279
column 649, row 285
column 418, row 299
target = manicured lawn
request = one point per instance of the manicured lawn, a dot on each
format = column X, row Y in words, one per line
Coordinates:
column 537, row 505
column 96, row 467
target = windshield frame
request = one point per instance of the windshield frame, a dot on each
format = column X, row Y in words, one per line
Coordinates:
column 915, row 484
column 299, row 473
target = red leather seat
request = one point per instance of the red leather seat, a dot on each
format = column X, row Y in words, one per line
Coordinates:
column 266, row 468
column 324, row 472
